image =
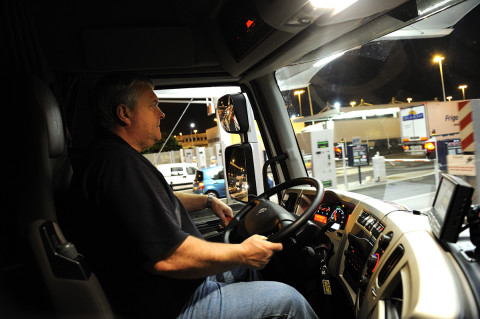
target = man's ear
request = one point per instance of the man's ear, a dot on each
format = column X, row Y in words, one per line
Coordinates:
column 123, row 114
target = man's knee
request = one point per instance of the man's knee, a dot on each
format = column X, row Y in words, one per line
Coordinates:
column 286, row 297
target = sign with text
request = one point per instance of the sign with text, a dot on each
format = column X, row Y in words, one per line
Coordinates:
column 356, row 140
column 358, row 155
column 463, row 165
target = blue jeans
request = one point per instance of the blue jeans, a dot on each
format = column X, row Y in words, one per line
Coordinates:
column 241, row 294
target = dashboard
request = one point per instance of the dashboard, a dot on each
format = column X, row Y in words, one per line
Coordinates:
column 332, row 211
column 386, row 259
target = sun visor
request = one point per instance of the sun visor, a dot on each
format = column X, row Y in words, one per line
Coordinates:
column 126, row 48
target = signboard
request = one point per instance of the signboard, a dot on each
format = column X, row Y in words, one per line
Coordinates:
column 356, row 140
column 445, row 148
column 463, row 165
column 466, row 126
column 358, row 155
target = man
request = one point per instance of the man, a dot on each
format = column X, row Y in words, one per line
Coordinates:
column 138, row 236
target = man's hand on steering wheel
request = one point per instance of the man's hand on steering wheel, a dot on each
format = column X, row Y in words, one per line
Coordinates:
column 263, row 217
column 258, row 251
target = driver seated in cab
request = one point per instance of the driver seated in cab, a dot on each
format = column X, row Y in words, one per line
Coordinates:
column 137, row 234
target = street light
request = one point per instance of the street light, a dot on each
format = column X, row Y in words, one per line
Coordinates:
column 353, row 103
column 299, row 93
column 463, row 87
column 449, row 98
column 439, row 60
column 192, row 125
column 409, row 99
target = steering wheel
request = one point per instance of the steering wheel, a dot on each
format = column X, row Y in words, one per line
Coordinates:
column 263, row 217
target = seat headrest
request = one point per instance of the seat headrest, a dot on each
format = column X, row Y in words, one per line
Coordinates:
column 47, row 105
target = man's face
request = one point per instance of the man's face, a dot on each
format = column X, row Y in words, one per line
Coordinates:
column 145, row 119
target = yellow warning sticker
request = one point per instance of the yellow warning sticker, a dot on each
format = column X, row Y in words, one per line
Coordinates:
column 326, row 287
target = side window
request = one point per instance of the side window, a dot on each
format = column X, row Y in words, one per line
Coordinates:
column 218, row 175
column 176, row 171
column 192, row 137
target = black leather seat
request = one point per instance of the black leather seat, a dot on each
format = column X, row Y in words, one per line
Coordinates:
column 42, row 174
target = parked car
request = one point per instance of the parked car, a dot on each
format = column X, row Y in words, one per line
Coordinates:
column 178, row 175
column 210, row 180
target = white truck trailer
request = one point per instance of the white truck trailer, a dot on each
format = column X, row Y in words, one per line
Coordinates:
column 421, row 122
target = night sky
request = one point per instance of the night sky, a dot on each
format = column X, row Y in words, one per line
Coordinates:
column 376, row 73
column 196, row 113
column 381, row 70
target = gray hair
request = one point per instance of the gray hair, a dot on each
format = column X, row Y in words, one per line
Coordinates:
column 111, row 91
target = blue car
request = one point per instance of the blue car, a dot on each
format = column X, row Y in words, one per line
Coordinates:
column 210, row 180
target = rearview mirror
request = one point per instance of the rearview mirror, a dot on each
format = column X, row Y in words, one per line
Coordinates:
column 240, row 171
column 232, row 112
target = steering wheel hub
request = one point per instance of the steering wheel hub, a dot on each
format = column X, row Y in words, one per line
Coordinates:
column 264, row 217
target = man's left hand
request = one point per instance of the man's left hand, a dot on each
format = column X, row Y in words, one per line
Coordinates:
column 222, row 210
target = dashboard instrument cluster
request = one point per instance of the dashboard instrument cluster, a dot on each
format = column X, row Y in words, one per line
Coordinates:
column 329, row 210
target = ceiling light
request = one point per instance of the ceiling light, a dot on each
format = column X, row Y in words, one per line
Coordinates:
column 338, row 5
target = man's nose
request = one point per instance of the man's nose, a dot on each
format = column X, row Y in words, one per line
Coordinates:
column 161, row 115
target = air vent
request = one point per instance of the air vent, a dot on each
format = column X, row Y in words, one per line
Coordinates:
column 392, row 261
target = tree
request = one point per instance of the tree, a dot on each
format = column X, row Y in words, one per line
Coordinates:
column 172, row 145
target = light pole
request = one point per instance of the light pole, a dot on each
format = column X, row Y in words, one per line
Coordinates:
column 463, row 87
column 192, row 125
column 299, row 93
column 439, row 60
column 310, row 100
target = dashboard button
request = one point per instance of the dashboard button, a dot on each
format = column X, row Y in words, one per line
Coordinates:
column 385, row 240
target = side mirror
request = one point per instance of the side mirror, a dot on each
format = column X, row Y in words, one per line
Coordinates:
column 232, row 112
column 240, row 171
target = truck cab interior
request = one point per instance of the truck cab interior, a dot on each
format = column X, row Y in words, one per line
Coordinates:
column 350, row 255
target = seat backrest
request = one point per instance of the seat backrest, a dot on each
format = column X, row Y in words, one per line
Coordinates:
column 44, row 173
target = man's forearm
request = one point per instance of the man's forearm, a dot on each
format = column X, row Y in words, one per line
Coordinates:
column 192, row 202
column 197, row 258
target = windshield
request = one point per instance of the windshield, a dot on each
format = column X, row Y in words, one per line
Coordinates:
column 382, row 118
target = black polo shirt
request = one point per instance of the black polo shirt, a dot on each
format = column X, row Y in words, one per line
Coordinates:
column 124, row 215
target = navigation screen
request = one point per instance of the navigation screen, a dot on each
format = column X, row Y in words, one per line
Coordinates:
column 443, row 198
column 452, row 201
